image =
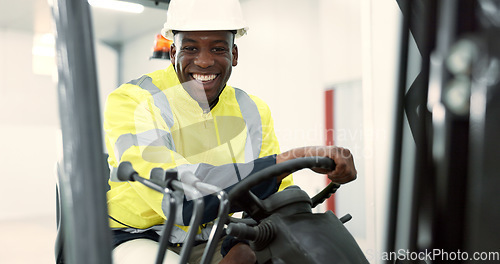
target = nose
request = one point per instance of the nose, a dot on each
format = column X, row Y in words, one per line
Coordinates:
column 204, row 59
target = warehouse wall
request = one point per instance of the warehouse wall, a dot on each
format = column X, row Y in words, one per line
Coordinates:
column 30, row 131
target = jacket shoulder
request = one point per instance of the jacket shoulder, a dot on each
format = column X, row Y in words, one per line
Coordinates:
column 261, row 104
column 139, row 87
column 264, row 109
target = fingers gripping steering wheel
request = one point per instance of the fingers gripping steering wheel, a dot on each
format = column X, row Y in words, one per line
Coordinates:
column 241, row 196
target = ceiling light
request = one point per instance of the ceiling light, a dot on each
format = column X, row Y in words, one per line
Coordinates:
column 117, row 5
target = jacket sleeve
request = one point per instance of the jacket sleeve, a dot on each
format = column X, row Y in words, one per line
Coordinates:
column 137, row 132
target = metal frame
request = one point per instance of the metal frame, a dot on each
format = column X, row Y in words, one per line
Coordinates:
column 83, row 189
column 452, row 203
column 482, row 209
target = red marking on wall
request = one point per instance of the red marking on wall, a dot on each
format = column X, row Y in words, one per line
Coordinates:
column 329, row 125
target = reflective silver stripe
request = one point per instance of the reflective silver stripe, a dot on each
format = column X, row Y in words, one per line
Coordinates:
column 251, row 115
column 179, row 236
column 153, row 137
column 159, row 98
column 113, row 174
column 211, row 174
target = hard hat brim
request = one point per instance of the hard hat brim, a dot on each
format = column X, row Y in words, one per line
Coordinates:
column 168, row 33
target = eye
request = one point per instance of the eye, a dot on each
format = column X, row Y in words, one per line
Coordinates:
column 219, row 49
column 189, row 48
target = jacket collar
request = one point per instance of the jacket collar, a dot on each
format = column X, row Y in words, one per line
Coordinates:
column 182, row 97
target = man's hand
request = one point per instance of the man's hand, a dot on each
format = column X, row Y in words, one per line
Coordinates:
column 344, row 171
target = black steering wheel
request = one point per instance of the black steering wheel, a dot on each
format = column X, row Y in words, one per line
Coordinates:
column 241, row 196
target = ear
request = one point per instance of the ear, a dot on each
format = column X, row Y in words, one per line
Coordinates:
column 235, row 55
column 173, row 50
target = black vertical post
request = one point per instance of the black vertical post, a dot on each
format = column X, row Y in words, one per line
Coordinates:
column 419, row 119
column 482, row 208
column 458, row 19
column 87, row 238
column 398, row 133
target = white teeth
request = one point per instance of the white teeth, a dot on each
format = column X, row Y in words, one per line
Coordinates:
column 203, row 77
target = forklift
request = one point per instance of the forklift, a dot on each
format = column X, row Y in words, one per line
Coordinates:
column 451, row 109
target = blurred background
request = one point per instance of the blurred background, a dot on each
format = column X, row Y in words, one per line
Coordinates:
column 327, row 69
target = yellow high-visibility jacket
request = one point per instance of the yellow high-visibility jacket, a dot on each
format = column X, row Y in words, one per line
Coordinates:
column 153, row 122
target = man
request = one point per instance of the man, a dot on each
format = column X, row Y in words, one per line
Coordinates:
column 187, row 117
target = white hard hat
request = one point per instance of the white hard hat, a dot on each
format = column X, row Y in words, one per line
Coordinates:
column 204, row 15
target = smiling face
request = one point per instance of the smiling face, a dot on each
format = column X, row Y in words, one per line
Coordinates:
column 203, row 61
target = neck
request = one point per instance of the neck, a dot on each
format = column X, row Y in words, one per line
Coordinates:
column 210, row 106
